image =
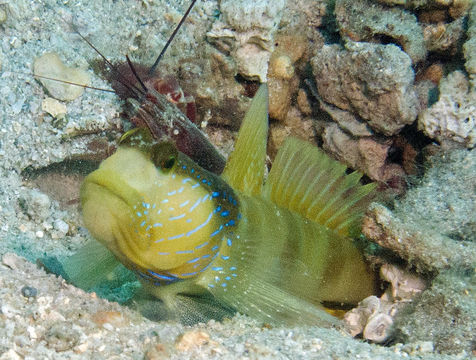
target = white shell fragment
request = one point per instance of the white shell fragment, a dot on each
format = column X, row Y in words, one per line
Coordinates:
column 50, row 65
column 378, row 328
column 373, row 317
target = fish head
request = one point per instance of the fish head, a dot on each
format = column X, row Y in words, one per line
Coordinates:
column 154, row 208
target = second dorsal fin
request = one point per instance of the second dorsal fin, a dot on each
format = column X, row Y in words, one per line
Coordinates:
column 244, row 169
column 304, row 179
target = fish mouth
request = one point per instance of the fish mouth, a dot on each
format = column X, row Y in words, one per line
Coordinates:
column 107, row 203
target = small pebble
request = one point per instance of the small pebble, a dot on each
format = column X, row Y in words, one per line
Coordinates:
column 191, row 339
column 29, row 291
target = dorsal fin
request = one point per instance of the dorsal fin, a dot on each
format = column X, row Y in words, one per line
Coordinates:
column 244, row 169
column 304, row 179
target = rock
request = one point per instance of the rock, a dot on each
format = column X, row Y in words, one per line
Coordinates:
column 442, row 315
column 425, row 249
column 364, row 20
column 375, row 81
column 452, row 119
column 469, row 47
column 36, row 205
column 347, row 121
column 404, row 284
column 61, row 336
column 280, row 96
column 53, row 107
column 378, row 328
column 444, row 37
column 283, row 83
column 192, row 339
column 50, row 65
column 245, row 29
column 368, row 154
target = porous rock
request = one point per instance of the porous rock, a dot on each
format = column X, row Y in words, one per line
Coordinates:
column 368, row 154
column 364, row 20
column 245, row 30
column 375, row 81
column 452, row 119
column 469, row 46
column 444, row 37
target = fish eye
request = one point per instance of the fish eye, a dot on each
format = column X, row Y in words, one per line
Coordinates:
column 138, row 138
column 164, row 155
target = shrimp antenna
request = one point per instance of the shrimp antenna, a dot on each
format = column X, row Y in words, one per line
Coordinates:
column 133, row 69
column 177, row 28
column 121, row 77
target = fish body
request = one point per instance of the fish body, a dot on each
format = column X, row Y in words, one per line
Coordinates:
column 274, row 251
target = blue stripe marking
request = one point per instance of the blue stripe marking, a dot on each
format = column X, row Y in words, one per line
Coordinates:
column 228, row 278
column 234, row 275
column 215, row 248
column 200, row 226
column 228, row 242
column 160, row 276
column 217, row 268
column 163, row 253
column 175, row 237
column 180, row 190
column 206, row 256
column 193, row 260
column 176, row 217
column 195, row 186
column 233, row 268
column 201, row 245
column 184, row 203
column 189, row 274
column 172, row 192
column 139, row 214
column 195, row 205
column 142, row 223
column 223, row 284
column 186, row 180
column 184, row 252
column 157, row 225
column 146, row 212
column 216, row 231
column 160, row 240
column 224, row 257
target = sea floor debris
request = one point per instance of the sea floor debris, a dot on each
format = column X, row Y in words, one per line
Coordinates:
column 64, row 322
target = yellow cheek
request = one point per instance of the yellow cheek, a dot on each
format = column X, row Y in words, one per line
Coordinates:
column 179, row 224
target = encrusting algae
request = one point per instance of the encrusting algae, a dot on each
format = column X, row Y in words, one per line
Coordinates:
column 274, row 250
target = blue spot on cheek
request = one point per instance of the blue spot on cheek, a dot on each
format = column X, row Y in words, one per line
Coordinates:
column 225, row 213
column 228, row 278
column 215, row 194
column 228, row 242
column 223, row 284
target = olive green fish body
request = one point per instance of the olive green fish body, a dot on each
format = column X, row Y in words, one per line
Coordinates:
column 272, row 251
